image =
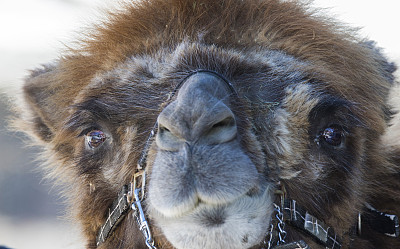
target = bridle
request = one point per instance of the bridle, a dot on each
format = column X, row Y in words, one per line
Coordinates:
column 287, row 211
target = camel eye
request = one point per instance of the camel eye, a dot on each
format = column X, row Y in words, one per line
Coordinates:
column 333, row 135
column 95, row 138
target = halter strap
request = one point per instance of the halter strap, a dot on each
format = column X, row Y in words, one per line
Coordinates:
column 116, row 214
column 295, row 215
column 298, row 217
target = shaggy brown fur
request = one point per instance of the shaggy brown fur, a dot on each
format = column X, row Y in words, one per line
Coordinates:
column 317, row 72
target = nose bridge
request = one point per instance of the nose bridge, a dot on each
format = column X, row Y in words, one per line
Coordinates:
column 202, row 96
column 201, row 102
column 206, row 84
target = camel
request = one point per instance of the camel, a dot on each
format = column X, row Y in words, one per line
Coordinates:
column 197, row 124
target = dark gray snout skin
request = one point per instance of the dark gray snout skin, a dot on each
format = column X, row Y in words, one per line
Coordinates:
column 199, row 115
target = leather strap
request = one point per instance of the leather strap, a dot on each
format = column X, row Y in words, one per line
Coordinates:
column 300, row 218
column 380, row 222
column 117, row 212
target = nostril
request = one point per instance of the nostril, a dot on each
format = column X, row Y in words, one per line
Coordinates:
column 166, row 140
column 230, row 121
column 221, row 132
column 163, row 129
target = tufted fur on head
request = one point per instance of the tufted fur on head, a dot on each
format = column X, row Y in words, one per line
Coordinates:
column 310, row 111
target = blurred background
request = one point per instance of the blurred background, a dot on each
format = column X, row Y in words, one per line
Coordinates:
column 35, row 32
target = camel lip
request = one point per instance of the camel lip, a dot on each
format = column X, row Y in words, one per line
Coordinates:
column 254, row 193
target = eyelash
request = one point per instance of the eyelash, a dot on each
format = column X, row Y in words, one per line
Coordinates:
column 87, row 130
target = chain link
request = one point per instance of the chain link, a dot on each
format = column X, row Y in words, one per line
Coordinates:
column 141, row 219
column 269, row 243
column 136, row 194
column 281, row 225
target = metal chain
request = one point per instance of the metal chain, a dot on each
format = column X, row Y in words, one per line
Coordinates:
column 281, row 225
column 136, row 196
column 141, row 219
column 269, row 243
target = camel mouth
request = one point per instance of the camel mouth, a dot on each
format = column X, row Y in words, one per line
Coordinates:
column 245, row 221
column 198, row 204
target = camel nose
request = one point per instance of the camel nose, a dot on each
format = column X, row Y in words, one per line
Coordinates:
column 200, row 114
